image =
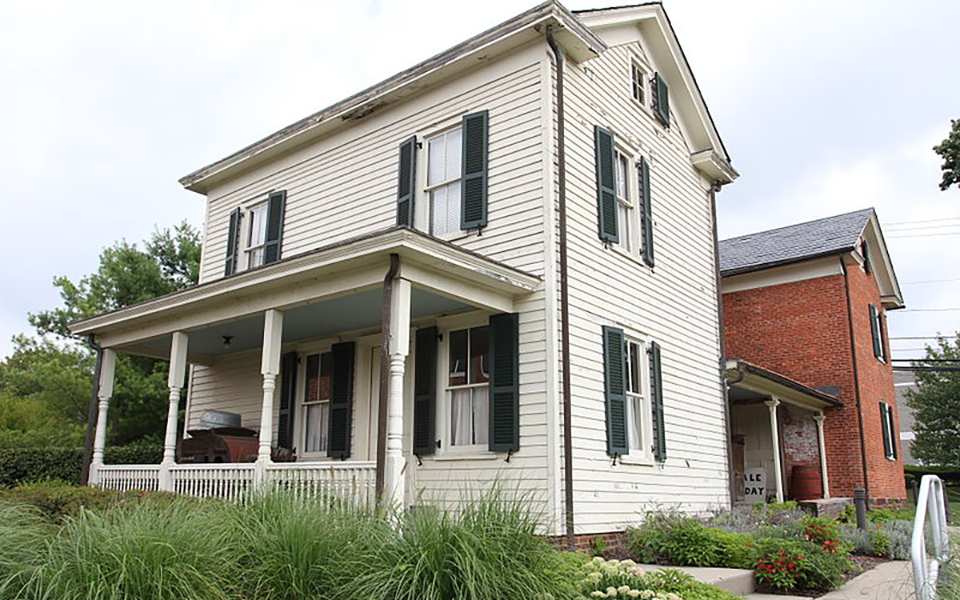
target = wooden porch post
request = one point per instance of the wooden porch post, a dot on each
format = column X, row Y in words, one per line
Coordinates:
column 772, row 404
column 819, row 417
column 398, row 345
column 107, row 370
column 175, row 380
column 269, row 368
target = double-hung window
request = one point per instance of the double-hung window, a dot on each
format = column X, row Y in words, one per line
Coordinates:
column 625, row 214
column 638, row 81
column 316, row 401
column 467, row 386
column 256, row 236
column 443, row 181
column 637, row 405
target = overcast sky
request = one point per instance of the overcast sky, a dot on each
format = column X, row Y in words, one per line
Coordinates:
column 825, row 107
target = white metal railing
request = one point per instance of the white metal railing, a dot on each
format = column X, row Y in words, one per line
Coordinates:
column 353, row 481
column 229, row 481
column 144, row 478
column 926, row 567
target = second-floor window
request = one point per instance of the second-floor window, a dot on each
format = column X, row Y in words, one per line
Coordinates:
column 443, row 181
column 468, row 385
column 316, row 401
column 625, row 215
column 256, row 235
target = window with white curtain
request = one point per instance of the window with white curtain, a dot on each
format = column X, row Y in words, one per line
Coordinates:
column 316, row 401
column 256, row 235
column 443, row 181
column 468, row 372
column 625, row 214
column 636, row 395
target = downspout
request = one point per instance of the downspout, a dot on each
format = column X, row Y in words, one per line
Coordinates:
column 91, row 414
column 856, row 378
column 564, row 301
column 724, row 384
column 385, row 319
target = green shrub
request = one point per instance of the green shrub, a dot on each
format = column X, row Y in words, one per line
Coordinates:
column 28, row 465
column 799, row 565
column 56, row 500
column 747, row 519
column 687, row 542
column 684, row 585
column 821, row 531
column 624, row 579
column 899, row 536
column 859, row 542
column 883, row 515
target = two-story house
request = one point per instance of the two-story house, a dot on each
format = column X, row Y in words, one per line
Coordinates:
column 809, row 302
column 495, row 266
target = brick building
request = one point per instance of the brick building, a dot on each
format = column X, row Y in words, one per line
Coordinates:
column 808, row 302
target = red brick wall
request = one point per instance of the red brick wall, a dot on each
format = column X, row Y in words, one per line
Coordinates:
column 801, row 330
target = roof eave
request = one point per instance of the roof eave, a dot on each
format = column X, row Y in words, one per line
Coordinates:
column 578, row 41
column 781, row 263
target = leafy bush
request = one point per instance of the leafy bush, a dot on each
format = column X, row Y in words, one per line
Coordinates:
column 823, row 532
column 28, row 465
column 861, row 543
column 899, row 535
column 56, row 500
column 749, row 519
column 64, row 436
column 683, row 584
column 883, row 515
column 688, row 542
column 799, row 565
column 624, row 579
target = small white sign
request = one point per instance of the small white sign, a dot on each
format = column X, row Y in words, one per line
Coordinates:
column 755, row 485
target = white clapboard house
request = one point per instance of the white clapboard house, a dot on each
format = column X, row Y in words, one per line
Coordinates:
column 497, row 265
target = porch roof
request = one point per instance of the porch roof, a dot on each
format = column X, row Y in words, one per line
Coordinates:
column 347, row 277
column 751, row 382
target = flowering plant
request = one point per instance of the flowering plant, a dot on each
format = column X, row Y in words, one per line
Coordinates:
column 781, row 567
column 617, row 579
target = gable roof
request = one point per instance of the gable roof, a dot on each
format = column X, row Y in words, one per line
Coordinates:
column 574, row 33
column 793, row 243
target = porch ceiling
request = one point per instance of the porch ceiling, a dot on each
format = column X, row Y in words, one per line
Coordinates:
column 311, row 321
column 330, row 289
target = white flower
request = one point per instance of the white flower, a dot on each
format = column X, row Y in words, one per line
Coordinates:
column 597, row 559
column 597, row 594
column 611, row 592
column 639, row 572
column 623, row 589
column 613, row 563
column 646, row 594
column 629, row 563
column 633, row 593
column 595, row 575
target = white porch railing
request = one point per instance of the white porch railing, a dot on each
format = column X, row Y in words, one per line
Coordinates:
column 145, row 478
column 926, row 568
column 229, row 481
column 354, row 481
column 351, row 481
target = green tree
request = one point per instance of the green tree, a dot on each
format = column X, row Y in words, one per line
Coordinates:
column 936, row 408
column 55, row 368
column 949, row 151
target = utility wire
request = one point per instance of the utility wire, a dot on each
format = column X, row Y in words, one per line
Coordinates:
column 920, row 235
column 930, row 281
column 919, row 337
column 940, row 220
column 946, row 309
column 921, row 227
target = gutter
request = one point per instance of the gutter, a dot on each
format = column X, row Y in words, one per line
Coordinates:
column 564, row 302
column 856, row 380
column 92, row 413
column 722, row 366
column 382, row 413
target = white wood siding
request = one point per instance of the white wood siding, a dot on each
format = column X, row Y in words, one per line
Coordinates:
column 674, row 304
column 345, row 186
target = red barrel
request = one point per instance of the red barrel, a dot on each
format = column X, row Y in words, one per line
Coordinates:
column 805, row 483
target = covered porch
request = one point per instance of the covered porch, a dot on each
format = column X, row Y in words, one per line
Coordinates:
column 301, row 352
column 778, row 450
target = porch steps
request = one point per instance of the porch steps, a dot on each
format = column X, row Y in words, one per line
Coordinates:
column 735, row 581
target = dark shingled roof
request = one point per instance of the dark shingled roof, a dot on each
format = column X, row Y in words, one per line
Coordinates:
column 765, row 249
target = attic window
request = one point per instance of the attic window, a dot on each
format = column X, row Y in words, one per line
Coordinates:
column 637, row 79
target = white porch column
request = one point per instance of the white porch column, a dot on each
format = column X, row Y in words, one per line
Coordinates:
column 823, row 454
column 108, row 363
column 269, row 368
column 175, row 380
column 398, row 347
column 772, row 404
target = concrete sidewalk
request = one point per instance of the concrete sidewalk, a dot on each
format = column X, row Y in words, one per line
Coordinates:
column 887, row 581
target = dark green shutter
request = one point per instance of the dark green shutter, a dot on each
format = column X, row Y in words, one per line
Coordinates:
column 656, row 402
column 233, row 239
column 647, row 211
column 885, row 429
column 288, row 390
column 606, row 185
column 473, row 184
column 865, row 251
column 504, row 383
column 406, row 182
column 875, row 332
column 276, row 207
column 615, row 369
column 341, row 402
column 425, row 392
column 893, row 431
column 661, row 100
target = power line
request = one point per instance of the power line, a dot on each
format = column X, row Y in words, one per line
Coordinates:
column 929, row 309
column 918, row 227
column 923, row 221
column 930, row 281
column 919, row 337
column 920, row 235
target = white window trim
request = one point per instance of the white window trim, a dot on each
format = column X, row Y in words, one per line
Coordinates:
column 447, row 451
column 644, row 83
column 300, row 413
column 247, row 220
column 633, row 191
column 643, row 456
column 423, row 206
